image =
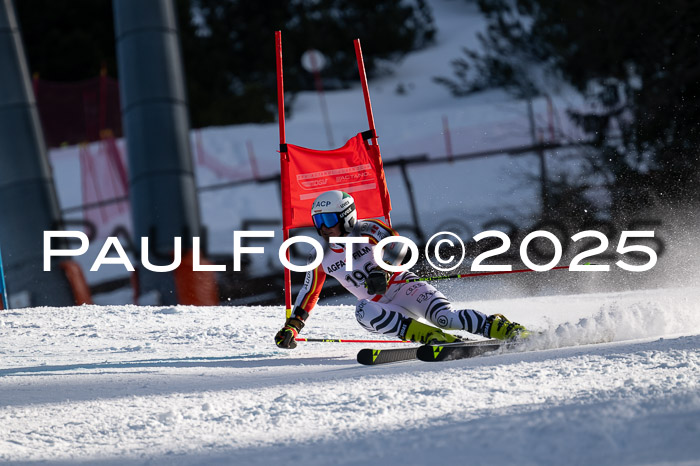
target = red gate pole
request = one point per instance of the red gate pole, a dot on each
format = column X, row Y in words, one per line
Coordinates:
column 102, row 122
column 370, row 115
column 365, row 91
column 284, row 170
column 280, row 86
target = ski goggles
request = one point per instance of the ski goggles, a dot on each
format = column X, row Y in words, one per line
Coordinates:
column 329, row 220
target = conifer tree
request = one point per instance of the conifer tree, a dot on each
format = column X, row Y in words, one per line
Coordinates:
column 636, row 62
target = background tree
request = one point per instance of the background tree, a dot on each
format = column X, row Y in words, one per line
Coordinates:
column 68, row 40
column 228, row 46
column 235, row 79
column 636, row 62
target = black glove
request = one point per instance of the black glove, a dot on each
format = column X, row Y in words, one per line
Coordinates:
column 376, row 281
column 285, row 337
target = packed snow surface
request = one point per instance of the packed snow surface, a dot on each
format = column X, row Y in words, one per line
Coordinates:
column 614, row 379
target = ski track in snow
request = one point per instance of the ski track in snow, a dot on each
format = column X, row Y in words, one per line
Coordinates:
column 187, row 385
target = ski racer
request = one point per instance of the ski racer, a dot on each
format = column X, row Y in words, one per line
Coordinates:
column 384, row 306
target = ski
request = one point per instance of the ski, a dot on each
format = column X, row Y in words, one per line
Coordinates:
column 373, row 357
column 431, row 353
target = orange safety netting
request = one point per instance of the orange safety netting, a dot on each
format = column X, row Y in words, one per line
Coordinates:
column 72, row 113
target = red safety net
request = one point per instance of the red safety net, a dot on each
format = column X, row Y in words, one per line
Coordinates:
column 105, row 187
column 72, row 113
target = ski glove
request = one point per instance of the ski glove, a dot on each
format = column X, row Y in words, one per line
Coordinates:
column 285, row 337
column 376, row 282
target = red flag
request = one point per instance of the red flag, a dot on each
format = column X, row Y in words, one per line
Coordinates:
column 356, row 168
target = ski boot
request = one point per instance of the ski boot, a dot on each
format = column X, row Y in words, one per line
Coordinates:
column 499, row 327
column 418, row 332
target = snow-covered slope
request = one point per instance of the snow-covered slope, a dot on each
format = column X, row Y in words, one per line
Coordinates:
column 187, row 385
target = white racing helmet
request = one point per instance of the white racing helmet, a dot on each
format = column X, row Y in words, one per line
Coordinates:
column 332, row 208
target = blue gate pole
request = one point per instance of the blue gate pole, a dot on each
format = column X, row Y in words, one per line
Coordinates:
column 3, row 290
